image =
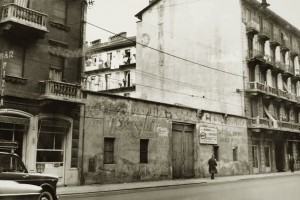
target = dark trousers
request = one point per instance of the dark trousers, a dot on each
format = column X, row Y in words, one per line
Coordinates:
column 212, row 176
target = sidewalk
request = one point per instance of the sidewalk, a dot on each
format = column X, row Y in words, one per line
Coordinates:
column 97, row 188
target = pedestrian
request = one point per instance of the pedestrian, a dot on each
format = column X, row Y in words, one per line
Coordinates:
column 212, row 166
column 292, row 164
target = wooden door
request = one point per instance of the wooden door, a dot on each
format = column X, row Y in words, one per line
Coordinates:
column 255, row 159
column 183, row 151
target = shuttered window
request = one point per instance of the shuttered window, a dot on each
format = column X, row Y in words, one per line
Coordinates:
column 59, row 11
column 15, row 65
column 109, row 150
column 23, row 3
column 56, row 65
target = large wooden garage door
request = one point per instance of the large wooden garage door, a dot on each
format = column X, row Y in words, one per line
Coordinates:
column 183, row 150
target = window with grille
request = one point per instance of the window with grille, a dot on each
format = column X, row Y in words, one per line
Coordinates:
column 144, row 143
column 109, row 151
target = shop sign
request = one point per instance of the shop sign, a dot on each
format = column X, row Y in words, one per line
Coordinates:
column 3, row 56
column 208, row 135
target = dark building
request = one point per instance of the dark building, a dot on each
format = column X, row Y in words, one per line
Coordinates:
column 40, row 89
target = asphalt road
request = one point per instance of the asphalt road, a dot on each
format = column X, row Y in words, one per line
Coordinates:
column 271, row 188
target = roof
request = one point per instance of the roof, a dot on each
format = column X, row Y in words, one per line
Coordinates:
column 139, row 14
column 125, row 42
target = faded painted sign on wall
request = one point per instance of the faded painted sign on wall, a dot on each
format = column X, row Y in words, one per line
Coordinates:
column 208, row 135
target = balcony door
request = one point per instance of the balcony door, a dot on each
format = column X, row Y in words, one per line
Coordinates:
column 23, row 3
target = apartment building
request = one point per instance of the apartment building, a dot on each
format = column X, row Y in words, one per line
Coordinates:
column 236, row 57
column 110, row 66
column 272, row 89
column 40, row 76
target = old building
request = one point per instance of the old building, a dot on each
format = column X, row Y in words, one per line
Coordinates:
column 40, row 76
column 129, row 139
column 110, row 66
column 272, row 88
column 233, row 57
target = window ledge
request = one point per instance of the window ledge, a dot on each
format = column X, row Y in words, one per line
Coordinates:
column 16, row 80
column 60, row 26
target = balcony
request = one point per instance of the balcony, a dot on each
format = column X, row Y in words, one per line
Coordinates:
column 276, row 38
column 256, row 55
column 295, row 49
column 252, row 27
column 18, row 21
column 255, row 88
column 285, row 45
column 258, row 123
column 111, row 85
column 288, row 70
column 265, row 32
column 60, row 90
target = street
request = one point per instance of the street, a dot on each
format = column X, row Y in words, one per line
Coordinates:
column 271, row 188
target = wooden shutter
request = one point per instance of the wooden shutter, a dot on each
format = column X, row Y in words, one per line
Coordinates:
column 59, row 11
column 15, row 65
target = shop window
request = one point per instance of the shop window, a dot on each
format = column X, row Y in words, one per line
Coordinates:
column 144, row 143
column 109, row 151
column 60, row 11
column 235, row 153
column 216, row 152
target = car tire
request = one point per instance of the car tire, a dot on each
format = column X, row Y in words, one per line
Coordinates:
column 45, row 195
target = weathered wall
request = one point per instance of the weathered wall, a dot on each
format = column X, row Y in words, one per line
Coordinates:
column 128, row 120
column 206, row 37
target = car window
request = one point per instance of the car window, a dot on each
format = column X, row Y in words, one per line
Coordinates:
column 10, row 163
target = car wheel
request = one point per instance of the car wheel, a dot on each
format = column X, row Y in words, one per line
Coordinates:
column 45, row 195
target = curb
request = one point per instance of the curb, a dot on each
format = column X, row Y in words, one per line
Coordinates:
column 216, row 181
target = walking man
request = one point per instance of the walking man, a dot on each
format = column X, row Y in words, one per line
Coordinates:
column 292, row 164
column 212, row 166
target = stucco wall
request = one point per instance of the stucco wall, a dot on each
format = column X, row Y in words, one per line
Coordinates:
column 128, row 120
column 204, row 35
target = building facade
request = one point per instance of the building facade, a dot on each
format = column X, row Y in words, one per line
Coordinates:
column 272, row 89
column 129, row 140
column 111, row 66
column 247, row 67
column 40, row 74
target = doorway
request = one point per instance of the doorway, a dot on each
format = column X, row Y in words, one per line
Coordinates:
column 279, row 156
column 268, row 158
column 255, row 159
column 183, row 150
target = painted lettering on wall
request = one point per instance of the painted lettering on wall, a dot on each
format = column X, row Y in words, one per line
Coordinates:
column 138, row 127
column 3, row 56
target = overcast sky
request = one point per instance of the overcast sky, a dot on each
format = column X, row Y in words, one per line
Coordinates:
column 118, row 15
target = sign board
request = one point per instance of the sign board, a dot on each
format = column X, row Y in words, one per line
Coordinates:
column 208, row 135
column 3, row 56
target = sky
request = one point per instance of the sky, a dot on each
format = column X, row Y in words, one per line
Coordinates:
column 119, row 15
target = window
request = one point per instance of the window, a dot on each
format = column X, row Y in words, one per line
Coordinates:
column 144, row 150
column 23, row 3
column 59, row 11
column 127, row 79
column 15, row 64
column 109, row 151
column 55, row 75
column 107, row 81
column 235, row 153
column 56, row 65
column 216, row 152
column 109, row 58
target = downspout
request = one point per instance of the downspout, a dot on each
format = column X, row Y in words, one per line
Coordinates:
column 80, row 71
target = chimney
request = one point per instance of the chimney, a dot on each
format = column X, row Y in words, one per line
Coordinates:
column 264, row 3
column 150, row 1
column 119, row 36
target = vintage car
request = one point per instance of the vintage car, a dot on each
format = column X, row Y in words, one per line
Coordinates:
column 11, row 190
column 12, row 168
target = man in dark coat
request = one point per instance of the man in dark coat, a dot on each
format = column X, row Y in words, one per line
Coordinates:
column 292, row 164
column 212, row 166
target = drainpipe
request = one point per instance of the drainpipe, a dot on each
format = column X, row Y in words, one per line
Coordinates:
column 82, row 179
